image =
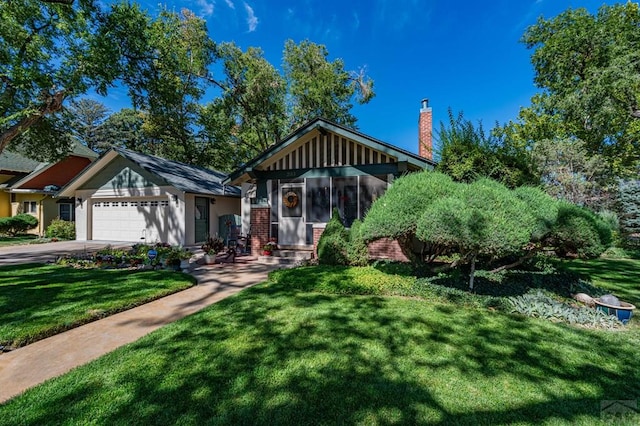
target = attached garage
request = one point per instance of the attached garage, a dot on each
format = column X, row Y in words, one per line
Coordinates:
column 128, row 196
column 136, row 219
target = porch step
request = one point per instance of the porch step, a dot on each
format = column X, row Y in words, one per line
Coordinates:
column 286, row 257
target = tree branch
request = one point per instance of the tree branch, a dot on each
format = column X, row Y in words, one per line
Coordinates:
column 67, row 2
column 52, row 104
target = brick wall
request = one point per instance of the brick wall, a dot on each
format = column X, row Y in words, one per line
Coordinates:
column 317, row 232
column 380, row 249
column 386, row 249
column 260, row 224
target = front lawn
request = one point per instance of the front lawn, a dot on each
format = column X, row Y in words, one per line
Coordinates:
column 18, row 239
column 37, row 301
column 310, row 353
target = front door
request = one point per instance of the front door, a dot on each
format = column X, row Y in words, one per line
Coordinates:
column 202, row 219
column 292, row 227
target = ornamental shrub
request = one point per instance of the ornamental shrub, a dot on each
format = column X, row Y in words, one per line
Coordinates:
column 357, row 251
column 579, row 232
column 17, row 224
column 542, row 206
column 61, row 229
column 333, row 243
column 396, row 213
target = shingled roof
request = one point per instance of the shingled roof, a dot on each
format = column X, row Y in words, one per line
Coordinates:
column 13, row 162
column 183, row 176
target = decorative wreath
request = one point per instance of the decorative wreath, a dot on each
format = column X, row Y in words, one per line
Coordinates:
column 290, row 199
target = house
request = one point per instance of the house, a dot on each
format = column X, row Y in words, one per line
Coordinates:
column 32, row 193
column 13, row 167
column 289, row 191
column 129, row 196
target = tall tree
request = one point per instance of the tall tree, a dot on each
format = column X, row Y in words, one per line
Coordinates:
column 569, row 173
column 249, row 115
column 49, row 54
column 588, row 67
column 166, row 79
column 320, row 88
column 86, row 121
column 467, row 153
column 124, row 129
column 629, row 209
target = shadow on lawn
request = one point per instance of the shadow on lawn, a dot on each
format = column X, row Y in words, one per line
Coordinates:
column 37, row 301
column 275, row 355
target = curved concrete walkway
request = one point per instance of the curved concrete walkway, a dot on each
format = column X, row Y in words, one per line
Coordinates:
column 31, row 365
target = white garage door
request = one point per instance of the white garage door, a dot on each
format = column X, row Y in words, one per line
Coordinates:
column 137, row 220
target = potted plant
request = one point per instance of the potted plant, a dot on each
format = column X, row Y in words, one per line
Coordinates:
column 176, row 256
column 211, row 247
column 267, row 249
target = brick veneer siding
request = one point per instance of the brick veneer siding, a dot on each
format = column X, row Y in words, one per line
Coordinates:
column 317, row 232
column 425, row 126
column 386, row 249
column 380, row 249
column 260, row 224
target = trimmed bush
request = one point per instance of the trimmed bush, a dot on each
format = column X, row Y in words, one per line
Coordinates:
column 579, row 232
column 395, row 214
column 61, row 229
column 357, row 251
column 17, row 224
column 333, row 244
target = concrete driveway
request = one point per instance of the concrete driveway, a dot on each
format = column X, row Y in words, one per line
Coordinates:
column 48, row 252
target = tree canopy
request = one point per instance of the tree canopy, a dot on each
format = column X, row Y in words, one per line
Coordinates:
column 50, row 52
column 588, row 67
column 194, row 100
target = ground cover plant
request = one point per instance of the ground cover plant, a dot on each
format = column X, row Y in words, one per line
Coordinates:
column 37, row 301
column 316, row 351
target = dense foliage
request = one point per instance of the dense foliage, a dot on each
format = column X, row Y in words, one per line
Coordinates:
column 467, row 153
column 333, row 243
column 17, row 224
column 194, row 100
column 588, row 66
column 629, row 208
column 62, row 229
column 431, row 215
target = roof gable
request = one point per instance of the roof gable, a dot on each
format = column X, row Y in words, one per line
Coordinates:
column 185, row 177
column 321, row 143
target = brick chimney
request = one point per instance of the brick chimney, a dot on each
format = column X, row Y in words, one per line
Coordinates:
column 425, row 125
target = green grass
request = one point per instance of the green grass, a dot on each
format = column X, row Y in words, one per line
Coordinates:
column 311, row 353
column 37, row 301
column 621, row 277
column 18, row 239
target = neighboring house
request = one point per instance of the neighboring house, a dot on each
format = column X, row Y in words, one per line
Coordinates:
column 289, row 191
column 13, row 167
column 33, row 193
column 129, row 196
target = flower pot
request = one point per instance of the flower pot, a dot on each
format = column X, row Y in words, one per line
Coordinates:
column 624, row 312
column 209, row 259
column 184, row 264
column 266, row 253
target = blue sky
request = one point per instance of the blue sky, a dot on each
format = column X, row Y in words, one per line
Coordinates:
column 462, row 54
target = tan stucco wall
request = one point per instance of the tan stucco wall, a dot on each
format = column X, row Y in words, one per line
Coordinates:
column 5, row 204
column 47, row 210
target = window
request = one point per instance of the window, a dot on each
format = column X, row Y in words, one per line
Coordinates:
column 98, row 204
column 154, row 204
column 144, row 203
column 164, row 203
column 134, row 204
column 318, row 199
column 124, row 204
column 30, row 207
column 66, row 212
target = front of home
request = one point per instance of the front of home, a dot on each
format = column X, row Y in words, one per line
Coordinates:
column 32, row 193
column 129, row 196
column 289, row 192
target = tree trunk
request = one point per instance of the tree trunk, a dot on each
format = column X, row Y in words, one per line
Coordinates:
column 52, row 104
column 472, row 272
